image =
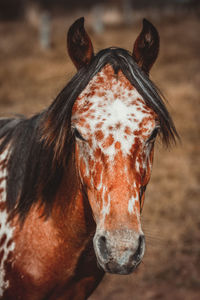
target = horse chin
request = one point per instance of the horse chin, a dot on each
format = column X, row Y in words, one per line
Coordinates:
column 114, row 268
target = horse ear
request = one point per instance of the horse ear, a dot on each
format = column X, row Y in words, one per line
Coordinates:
column 79, row 45
column 146, row 47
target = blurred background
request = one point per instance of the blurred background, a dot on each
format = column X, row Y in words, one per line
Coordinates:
column 34, row 68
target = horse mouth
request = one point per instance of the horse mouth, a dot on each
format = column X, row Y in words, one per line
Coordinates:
column 115, row 268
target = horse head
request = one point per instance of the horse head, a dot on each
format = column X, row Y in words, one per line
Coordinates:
column 115, row 131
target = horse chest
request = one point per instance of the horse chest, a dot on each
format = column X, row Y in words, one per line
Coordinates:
column 39, row 263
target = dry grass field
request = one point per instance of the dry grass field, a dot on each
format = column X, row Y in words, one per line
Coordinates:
column 30, row 79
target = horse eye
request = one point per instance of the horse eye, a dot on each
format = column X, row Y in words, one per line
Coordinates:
column 153, row 135
column 78, row 135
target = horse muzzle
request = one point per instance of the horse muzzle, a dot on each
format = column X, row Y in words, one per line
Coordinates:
column 119, row 251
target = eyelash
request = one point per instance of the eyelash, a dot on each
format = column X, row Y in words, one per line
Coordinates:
column 152, row 137
column 78, row 135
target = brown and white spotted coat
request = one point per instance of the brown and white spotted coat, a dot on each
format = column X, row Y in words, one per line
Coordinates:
column 7, row 244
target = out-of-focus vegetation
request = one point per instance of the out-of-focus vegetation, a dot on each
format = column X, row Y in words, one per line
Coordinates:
column 15, row 9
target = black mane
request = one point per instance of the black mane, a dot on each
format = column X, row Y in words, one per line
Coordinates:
column 43, row 146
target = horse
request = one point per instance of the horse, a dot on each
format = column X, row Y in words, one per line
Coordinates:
column 73, row 177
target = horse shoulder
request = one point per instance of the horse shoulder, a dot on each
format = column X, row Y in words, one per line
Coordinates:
column 42, row 262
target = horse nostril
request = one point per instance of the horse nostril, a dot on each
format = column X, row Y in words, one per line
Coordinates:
column 103, row 247
column 140, row 250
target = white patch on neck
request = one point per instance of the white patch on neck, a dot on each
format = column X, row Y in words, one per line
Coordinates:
column 5, row 229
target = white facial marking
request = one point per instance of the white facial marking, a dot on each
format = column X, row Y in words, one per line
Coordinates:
column 113, row 116
column 137, row 165
column 99, row 187
column 131, row 204
column 132, row 201
column 138, row 221
column 106, row 207
column 6, row 231
column 117, row 106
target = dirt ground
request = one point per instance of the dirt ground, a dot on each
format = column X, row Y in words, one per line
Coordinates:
column 30, row 78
